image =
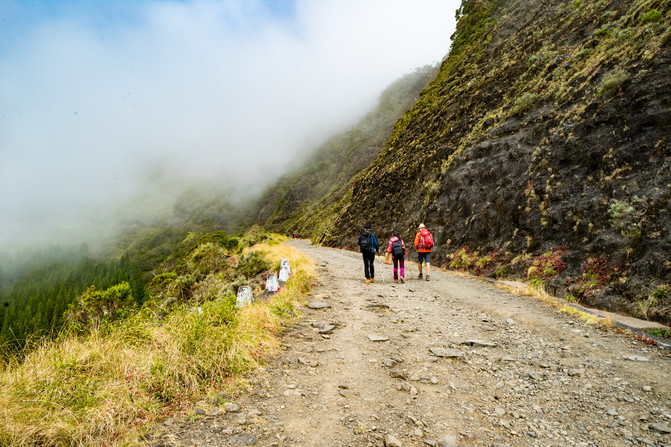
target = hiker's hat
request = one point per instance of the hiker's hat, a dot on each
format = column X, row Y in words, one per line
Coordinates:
column 421, row 226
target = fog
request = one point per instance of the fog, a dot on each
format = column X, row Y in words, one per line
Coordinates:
column 108, row 110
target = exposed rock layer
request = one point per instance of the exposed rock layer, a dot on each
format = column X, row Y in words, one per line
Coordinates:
column 548, row 126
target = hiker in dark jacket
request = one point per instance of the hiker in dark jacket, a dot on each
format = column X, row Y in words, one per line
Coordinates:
column 397, row 250
column 368, row 246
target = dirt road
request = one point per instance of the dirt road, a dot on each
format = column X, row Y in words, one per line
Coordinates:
column 447, row 362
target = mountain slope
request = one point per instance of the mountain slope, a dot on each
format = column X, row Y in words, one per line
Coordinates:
column 297, row 202
column 542, row 149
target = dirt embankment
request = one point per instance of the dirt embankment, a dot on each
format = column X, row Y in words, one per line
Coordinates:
column 446, row 362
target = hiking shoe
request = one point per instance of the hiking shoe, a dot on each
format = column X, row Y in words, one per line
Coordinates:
column 427, row 277
column 372, row 280
column 402, row 279
column 396, row 280
column 420, row 276
column 367, row 281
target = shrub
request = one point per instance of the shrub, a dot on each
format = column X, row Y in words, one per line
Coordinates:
column 601, row 33
column 608, row 15
column 644, row 307
column 207, row 258
column 213, row 255
column 542, row 57
column 582, row 54
column 613, row 82
column 524, row 103
column 548, row 265
column 462, row 259
column 94, row 308
column 596, row 270
column 652, row 16
column 619, row 210
column 482, row 263
column 255, row 236
column 626, row 219
column 596, row 274
column 252, row 264
column 661, row 293
column 220, row 238
column 471, row 260
column 500, row 271
column 625, row 34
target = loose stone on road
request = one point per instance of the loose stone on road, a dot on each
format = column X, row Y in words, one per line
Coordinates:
column 450, row 362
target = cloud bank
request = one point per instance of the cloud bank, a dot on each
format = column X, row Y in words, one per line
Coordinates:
column 136, row 100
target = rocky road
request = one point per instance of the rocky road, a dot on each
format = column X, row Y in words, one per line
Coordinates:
column 449, row 362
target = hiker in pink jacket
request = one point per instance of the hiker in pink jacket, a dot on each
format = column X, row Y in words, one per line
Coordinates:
column 397, row 250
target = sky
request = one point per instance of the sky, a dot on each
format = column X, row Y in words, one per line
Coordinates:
column 108, row 109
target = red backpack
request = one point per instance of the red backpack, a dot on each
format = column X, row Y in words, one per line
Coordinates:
column 425, row 239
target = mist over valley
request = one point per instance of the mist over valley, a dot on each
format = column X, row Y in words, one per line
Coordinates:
column 108, row 115
column 155, row 155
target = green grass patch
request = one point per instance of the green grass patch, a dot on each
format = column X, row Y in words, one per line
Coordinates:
column 660, row 333
column 602, row 33
column 109, row 384
column 652, row 16
column 612, row 82
column 524, row 103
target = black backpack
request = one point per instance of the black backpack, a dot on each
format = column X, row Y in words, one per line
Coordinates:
column 366, row 242
column 397, row 249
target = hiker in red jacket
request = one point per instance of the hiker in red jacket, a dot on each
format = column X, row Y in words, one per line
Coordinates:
column 397, row 250
column 423, row 244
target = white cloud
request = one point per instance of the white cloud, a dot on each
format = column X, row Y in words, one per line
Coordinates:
column 222, row 90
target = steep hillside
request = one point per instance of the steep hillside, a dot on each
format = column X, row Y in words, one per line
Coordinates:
column 118, row 366
column 542, row 149
column 300, row 199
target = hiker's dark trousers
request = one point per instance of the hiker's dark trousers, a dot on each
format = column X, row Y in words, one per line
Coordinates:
column 369, row 265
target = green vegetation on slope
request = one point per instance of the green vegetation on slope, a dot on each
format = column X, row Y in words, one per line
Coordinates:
column 300, row 200
column 119, row 367
column 38, row 284
column 35, row 301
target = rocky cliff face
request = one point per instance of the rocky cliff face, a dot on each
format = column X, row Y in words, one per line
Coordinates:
column 542, row 149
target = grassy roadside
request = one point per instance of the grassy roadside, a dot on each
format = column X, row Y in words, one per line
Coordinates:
column 110, row 385
column 537, row 291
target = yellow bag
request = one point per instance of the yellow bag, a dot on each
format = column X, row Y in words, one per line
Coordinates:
column 387, row 258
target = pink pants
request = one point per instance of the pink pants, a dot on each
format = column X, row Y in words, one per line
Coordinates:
column 396, row 263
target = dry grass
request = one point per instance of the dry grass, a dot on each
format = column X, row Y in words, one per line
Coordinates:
column 106, row 389
column 540, row 293
column 584, row 316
